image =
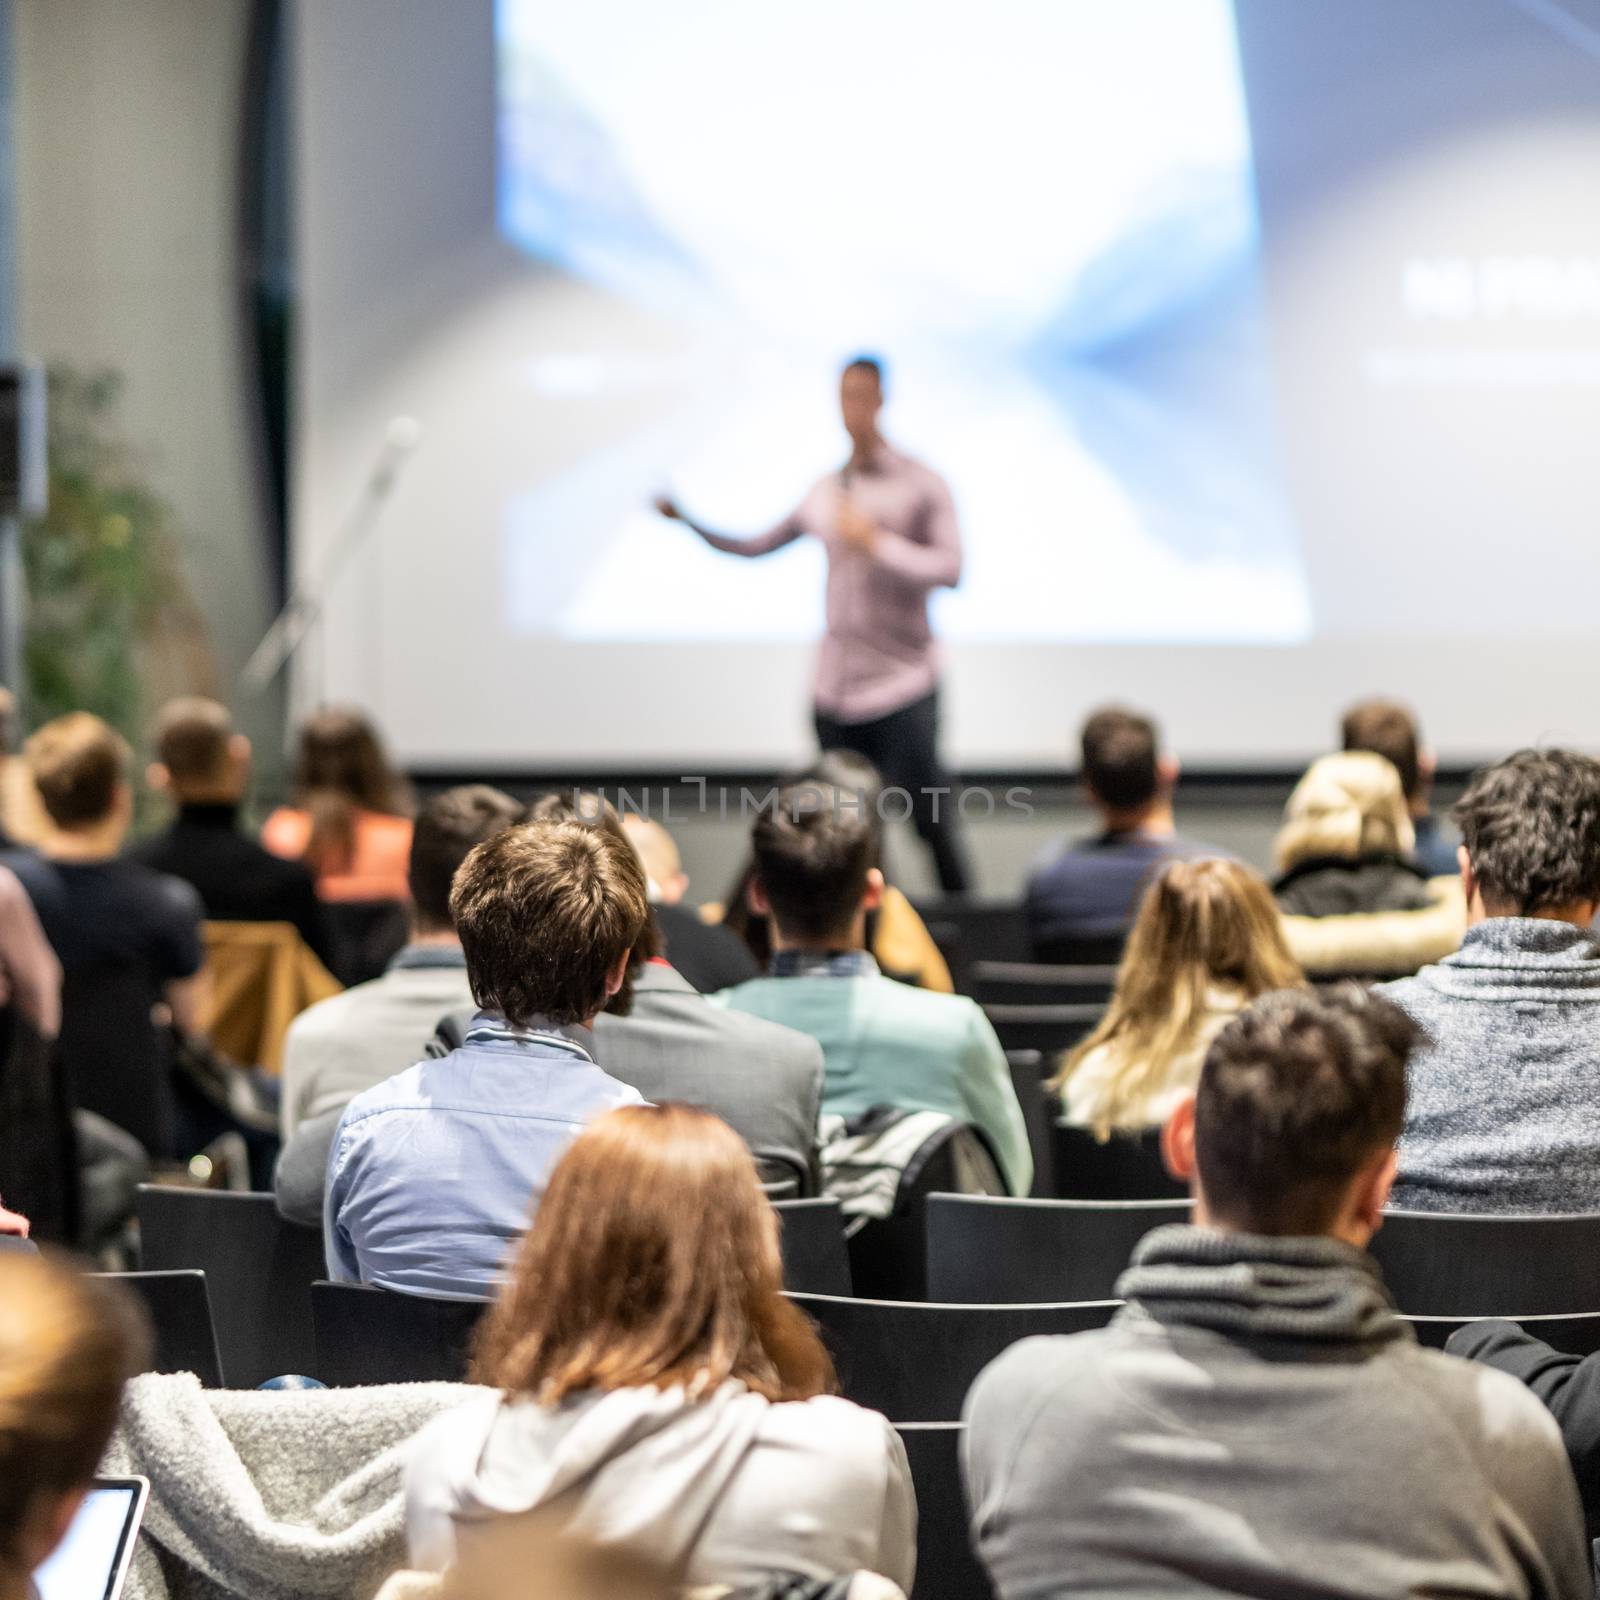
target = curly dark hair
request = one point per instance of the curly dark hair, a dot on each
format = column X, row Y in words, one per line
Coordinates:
column 1298, row 1093
column 1531, row 826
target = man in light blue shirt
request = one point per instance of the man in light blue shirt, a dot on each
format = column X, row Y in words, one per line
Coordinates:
column 884, row 1043
column 434, row 1174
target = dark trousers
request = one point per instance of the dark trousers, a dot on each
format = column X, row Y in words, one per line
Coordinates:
column 903, row 746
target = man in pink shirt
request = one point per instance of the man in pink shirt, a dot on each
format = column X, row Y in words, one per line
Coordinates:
column 889, row 527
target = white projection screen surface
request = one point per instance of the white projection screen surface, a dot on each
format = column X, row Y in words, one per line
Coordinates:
column 1260, row 346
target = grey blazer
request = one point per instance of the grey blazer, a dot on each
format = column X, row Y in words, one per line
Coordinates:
column 763, row 1080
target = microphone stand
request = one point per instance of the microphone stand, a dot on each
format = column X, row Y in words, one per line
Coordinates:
column 303, row 611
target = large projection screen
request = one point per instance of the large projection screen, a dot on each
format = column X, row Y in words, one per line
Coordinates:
column 1259, row 345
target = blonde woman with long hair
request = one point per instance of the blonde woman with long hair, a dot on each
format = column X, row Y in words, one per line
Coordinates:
column 1206, row 941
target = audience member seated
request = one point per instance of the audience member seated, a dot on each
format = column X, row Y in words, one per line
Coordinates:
column 896, row 935
column 1568, row 1385
column 68, row 1345
column 1503, row 1114
column 433, row 1172
column 705, row 954
column 105, row 915
column 1345, row 841
column 204, row 766
column 355, row 1040
column 1388, row 729
column 30, row 974
column 883, row 1043
column 657, row 1034
column 1257, row 1420
column 1353, row 903
column 662, row 1037
column 649, row 1384
column 348, row 822
column 1207, row 941
column 1083, row 898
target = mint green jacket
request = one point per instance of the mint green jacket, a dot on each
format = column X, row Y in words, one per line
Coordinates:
column 885, row 1043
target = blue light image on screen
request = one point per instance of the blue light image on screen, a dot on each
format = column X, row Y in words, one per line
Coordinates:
column 1040, row 211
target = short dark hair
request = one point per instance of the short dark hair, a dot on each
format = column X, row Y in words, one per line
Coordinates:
column 814, row 845
column 544, row 911
column 1119, row 758
column 1531, row 826
column 1298, row 1093
column 443, row 836
column 192, row 735
column 856, row 777
column 77, row 761
column 865, row 363
column 1387, row 729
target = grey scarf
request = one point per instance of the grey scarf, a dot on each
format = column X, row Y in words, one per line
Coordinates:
column 1303, row 1293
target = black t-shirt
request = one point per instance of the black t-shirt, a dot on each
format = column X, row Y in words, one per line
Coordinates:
column 236, row 879
column 114, row 914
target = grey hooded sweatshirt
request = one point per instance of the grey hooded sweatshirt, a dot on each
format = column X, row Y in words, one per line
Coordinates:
column 728, row 1488
column 1257, row 1421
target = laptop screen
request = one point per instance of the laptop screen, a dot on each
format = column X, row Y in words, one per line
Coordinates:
column 90, row 1562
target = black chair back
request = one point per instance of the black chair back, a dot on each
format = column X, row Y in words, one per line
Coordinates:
column 1126, row 1167
column 1443, row 1265
column 968, row 931
column 947, row 1569
column 364, row 936
column 260, row 1269
column 1028, row 1072
column 117, row 1061
column 365, row 1335
column 983, row 1251
column 1047, row 1029
column 1577, row 1335
column 1105, row 951
column 180, row 1317
column 916, row 1362
column 889, row 1255
column 811, row 1237
column 1033, row 983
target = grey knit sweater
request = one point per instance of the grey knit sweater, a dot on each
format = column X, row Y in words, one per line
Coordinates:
column 1503, row 1107
column 1258, row 1422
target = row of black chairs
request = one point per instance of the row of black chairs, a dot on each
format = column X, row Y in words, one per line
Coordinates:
column 913, row 1361
column 259, row 1270
column 368, row 1336
column 977, row 1251
column 970, row 1250
column 993, row 1250
column 971, row 933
